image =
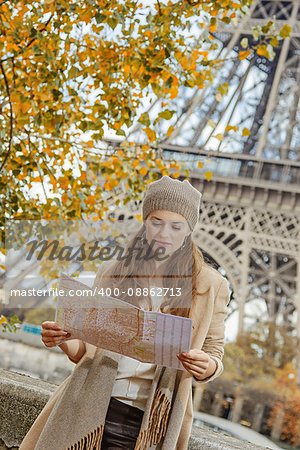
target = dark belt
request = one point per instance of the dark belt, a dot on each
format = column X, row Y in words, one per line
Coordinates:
column 122, row 426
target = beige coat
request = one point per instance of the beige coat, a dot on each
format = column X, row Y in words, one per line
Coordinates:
column 208, row 313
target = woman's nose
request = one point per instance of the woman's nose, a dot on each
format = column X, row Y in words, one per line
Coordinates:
column 164, row 232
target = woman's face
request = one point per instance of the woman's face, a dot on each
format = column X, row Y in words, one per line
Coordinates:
column 166, row 229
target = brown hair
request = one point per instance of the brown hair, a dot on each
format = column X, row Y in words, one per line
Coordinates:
column 181, row 271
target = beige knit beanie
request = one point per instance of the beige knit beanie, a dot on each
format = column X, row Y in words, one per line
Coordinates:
column 173, row 195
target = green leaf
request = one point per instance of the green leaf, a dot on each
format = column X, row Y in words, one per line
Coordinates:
column 112, row 22
column 120, row 132
column 167, row 114
column 223, row 89
column 266, row 28
column 144, row 119
column 226, row 20
column 100, row 17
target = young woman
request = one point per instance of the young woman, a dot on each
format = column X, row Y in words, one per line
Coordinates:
column 115, row 402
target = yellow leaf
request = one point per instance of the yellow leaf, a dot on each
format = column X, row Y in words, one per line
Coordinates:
column 3, row 319
column 64, row 182
column 91, row 200
column 170, row 131
column 229, row 127
column 262, row 51
column 44, row 96
column 176, row 175
column 3, row 250
column 143, row 171
column 139, row 217
column 246, row 132
column 107, row 186
column 184, row 63
column 244, row 53
column 219, row 136
column 208, row 175
column 285, row 31
column 135, row 163
column 211, row 123
column 64, row 198
column 173, row 92
column 127, row 69
column 218, row 97
column 204, row 53
column 150, row 133
column 25, row 107
column 200, row 164
column 114, row 183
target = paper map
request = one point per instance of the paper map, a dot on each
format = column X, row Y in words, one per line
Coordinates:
column 118, row 326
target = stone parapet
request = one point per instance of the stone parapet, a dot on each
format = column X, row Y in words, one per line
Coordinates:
column 22, row 398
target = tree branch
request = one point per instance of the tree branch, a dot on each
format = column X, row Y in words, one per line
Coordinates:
column 194, row 3
column 29, row 43
column 11, row 118
column 159, row 8
column 42, row 29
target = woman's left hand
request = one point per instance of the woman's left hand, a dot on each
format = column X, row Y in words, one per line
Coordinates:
column 197, row 363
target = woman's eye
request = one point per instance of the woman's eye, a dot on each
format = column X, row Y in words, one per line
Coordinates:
column 156, row 223
column 176, row 228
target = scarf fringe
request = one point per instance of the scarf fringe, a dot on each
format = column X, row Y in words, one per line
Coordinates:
column 91, row 440
column 158, row 419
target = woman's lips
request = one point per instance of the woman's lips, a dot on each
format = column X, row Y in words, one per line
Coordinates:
column 162, row 244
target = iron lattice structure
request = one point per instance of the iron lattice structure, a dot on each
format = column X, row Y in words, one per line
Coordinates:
column 250, row 215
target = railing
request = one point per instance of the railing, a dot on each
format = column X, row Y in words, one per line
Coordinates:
column 233, row 166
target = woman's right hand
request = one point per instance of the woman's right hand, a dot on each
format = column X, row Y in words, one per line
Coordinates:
column 52, row 334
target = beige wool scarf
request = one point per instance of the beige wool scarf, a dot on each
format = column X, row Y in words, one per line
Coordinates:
column 77, row 419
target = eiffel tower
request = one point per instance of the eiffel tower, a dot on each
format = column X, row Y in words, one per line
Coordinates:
column 250, row 214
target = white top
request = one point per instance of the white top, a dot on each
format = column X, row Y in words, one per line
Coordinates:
column 134, row 378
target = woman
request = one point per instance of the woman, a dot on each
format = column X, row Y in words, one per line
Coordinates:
column 111, row 401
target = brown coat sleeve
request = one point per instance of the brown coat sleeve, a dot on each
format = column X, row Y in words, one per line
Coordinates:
column 214, row 341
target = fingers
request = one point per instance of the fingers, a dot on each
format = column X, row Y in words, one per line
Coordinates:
column 201, row 367
column 52, row 334
column 195, row 361
column 53, row 342
column 194, row 370
column 48, row 325
column 195, row 355
column 52, row 329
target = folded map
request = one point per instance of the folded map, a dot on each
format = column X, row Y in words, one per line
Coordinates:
column 115, row 325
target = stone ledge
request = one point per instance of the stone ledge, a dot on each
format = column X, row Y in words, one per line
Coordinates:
column 22, row 398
